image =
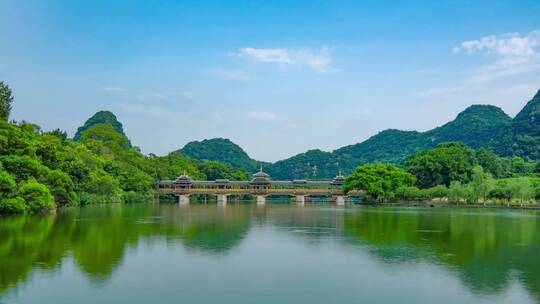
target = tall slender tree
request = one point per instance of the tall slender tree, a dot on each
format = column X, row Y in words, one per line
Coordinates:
column 6, row 98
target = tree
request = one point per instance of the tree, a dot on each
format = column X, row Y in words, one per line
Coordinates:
column 13, row 205
column 501, row 191
column 36, row 195
column 61, row 187
column 520, row 167
column 521, row 189
column 457, row 191
column 6, row 98
column 481, row 184
column 8, row 187
column 101, row 183
column 378, row 180
column 447, row 162
column 492, row 163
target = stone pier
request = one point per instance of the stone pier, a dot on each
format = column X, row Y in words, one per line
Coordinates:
column 261, row 199
column 340, row 200
column 222, row 199
column 183, row 199
column 300, row 199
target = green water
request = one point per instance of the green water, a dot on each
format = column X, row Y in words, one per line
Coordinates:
column 150, row 253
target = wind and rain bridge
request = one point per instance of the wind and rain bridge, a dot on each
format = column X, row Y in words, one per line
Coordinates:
column 260, row 187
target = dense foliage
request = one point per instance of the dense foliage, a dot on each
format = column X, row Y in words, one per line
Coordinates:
column 446, row 163
column 522, row 136
column 42, row 170
column 452, row 172
column 378, row 181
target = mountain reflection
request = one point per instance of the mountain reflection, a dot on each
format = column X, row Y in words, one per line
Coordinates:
column 486, row 249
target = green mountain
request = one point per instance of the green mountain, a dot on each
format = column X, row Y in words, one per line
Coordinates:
column 522, row 136
column 101, row 117
column 222, row 150
column 475, row 126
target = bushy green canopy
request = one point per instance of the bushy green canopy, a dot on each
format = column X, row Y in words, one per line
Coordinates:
column 378, row 180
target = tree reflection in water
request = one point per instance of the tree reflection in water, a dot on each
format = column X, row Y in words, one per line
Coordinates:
column 486, row 249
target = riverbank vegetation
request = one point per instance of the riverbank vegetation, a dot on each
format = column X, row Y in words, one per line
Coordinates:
column 452, row 173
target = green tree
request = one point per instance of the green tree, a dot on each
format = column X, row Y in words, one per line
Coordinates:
column 492, row 163
column 481, row 184
column 8, row 187
column 520, row 167
column 6, row 98
column 36, row 195
column 378, row 180
column 101, row 183
column 457, row 191
column 13, row 205
column 438, row 191
column 521, row 189
column 22, row 167
column 501, row 191
column 447, row 162
column 61, row 187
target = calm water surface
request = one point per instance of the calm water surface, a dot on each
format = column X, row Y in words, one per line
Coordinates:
column 150, row 253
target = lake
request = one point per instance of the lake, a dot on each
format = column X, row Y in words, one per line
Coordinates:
column 277, row 253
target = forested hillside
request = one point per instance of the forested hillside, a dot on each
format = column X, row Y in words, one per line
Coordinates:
column 222, row 150
column 522, row 136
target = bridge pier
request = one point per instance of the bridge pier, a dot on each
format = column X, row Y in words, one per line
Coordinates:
column 183, row 199
column 340, row 200
column 261, row 199
column 300, row 199
column 222, row 199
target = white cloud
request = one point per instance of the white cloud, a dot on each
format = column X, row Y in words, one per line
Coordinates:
column 228, row 74
column 513, row 54
column 261, row 115
column 319, row 60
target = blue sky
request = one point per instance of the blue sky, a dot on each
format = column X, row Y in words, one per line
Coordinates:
column 276, row 77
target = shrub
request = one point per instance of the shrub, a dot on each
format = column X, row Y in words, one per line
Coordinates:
column 13, row 205
column 8, row 187
column 411, row 193
column 137, row 197
column 36, row 195
column 439, row 191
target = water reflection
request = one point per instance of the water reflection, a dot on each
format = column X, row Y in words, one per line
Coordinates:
column 486, row 249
